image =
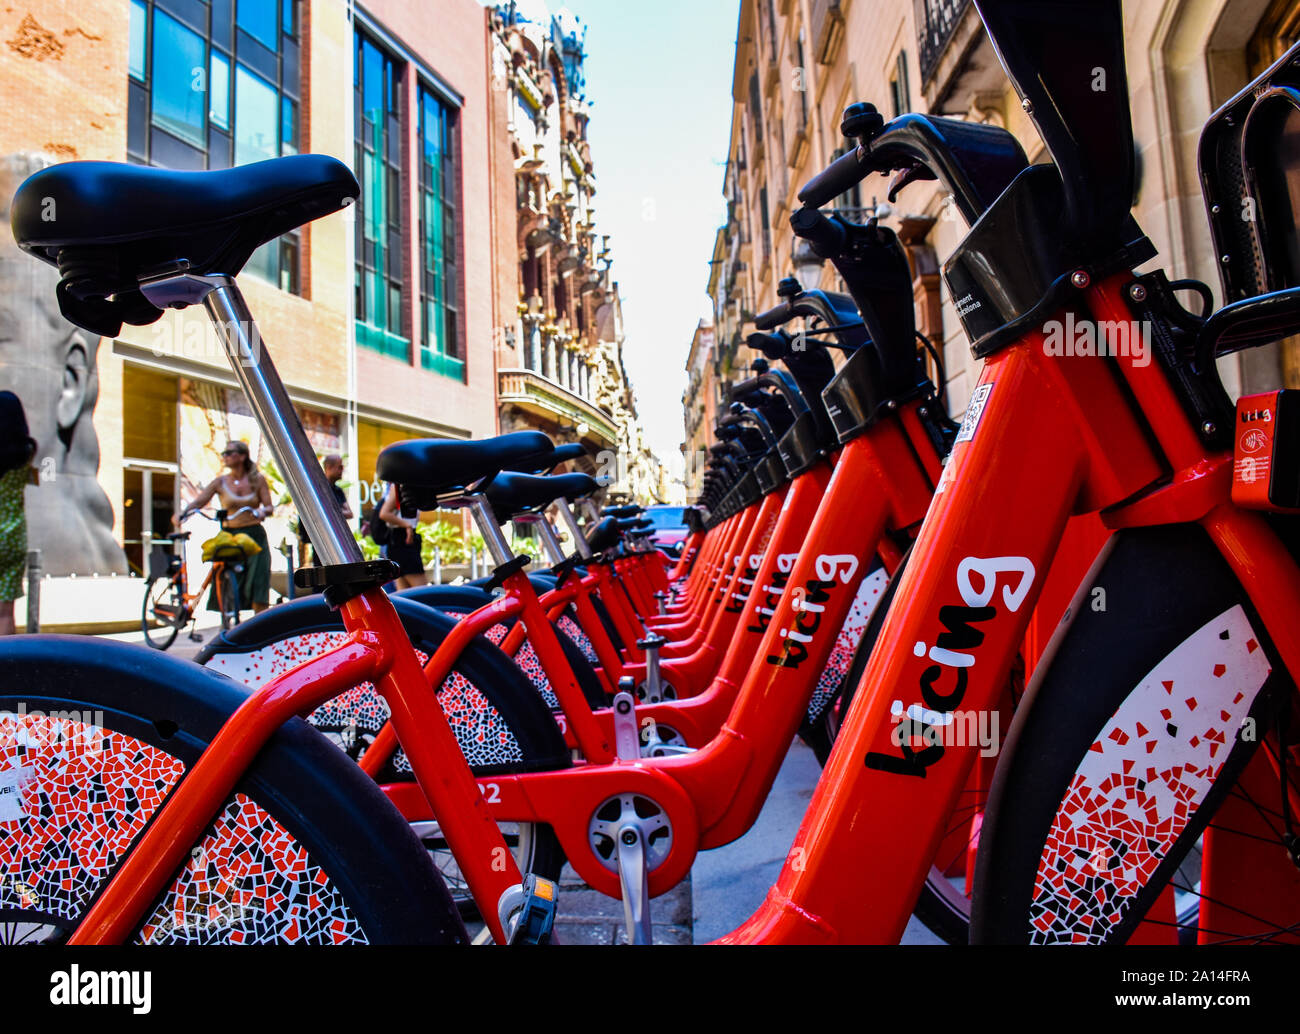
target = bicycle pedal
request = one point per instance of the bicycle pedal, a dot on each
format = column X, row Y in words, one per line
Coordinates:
column 627, row 738
column 536, row 919
column 634, row 882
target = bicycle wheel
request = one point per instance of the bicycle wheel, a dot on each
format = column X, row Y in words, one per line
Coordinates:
column 94, row 735
column 500, row 722
column 1136, row 735
column 229, row 598
column 164, row 612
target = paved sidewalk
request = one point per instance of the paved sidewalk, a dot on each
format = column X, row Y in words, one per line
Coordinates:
column 730, row 883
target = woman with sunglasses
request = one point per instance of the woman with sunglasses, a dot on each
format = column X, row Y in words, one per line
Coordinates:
column 242, row 486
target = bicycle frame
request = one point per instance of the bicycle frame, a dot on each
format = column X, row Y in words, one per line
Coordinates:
column 973, row 582
column 713, row 795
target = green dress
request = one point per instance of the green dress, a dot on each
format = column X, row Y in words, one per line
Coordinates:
column 13, row 533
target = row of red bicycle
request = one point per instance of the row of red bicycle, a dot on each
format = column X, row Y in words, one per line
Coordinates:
column 1046, row 655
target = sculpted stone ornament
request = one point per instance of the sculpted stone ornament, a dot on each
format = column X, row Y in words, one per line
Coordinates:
column 51, row 365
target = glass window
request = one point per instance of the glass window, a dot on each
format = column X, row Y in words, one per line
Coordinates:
column 184, row 111
column 219, row 91
column 288, row 126
column 438, row 326
column 136, row 53
column 178, row 72
column 257, row 18
column 256, row 118
column 380, row 280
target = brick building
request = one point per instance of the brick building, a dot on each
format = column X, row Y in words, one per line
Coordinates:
column 380, row 318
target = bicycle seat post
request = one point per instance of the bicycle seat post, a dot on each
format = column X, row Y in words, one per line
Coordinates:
column 550, row 541
column 262, row 386
column 580, row 544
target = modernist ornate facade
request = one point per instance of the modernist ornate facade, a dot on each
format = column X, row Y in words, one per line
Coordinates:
column 560, row 345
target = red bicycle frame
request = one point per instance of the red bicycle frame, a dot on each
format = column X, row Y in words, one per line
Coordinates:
column 880, row 809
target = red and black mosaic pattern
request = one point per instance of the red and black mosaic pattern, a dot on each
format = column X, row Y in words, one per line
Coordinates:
column 76, row 796
column 251, row 882
column 526, row 660
column 482, row 733
column 574, row 632
column 870, row 591
column 1143, row 780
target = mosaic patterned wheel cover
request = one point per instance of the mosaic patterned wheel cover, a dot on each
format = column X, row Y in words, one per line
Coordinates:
column 526, row 660
column 73, row 796
column 250, row 882
column 482, row 733
column 864, row 605
column 579, row 638
column 1143, row 780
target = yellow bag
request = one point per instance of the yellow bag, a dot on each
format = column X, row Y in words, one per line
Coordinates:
column 224, row 544
column 246, row 543
column 221, row 540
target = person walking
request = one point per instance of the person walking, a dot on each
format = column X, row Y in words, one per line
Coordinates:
column 242, row 485
column 332, row 465
column 404, row 542
column 17, row 448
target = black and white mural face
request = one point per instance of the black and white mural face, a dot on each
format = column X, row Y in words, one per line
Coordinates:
column 51, row 365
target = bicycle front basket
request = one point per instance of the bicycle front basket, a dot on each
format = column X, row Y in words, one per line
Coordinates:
column 160, row 562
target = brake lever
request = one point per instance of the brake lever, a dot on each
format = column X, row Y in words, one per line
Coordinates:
column 912, row 174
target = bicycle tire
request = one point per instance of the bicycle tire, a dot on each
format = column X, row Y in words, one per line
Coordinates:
column 229, row 598
column 306, row 850
column 161, row 635
column 1098, row 802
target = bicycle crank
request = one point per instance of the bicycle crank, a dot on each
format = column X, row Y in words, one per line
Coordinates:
column 631, row 835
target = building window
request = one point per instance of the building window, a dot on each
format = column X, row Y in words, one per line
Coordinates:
column 899, row 88
column 377, row 79
column 216, row 83
column 439, row 325
column 767, row 224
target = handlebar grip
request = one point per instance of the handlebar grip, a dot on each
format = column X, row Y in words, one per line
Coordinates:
column 774, row 317
column 843, row 173
column 826, row 237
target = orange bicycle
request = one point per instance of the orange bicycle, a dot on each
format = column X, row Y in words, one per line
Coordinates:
column 169, row 605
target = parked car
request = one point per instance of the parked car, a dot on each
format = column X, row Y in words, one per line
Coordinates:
column 670, row 528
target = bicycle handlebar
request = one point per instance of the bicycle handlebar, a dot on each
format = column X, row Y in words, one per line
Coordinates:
column 974, row 161
column 842, row 175
column 220, row 516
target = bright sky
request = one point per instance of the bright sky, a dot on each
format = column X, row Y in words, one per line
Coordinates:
column 659, row 81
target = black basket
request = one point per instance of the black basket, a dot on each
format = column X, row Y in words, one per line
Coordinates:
column 162, row 562
column 1250, row 176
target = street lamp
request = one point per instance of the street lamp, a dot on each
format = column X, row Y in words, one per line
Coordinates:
column 807, row 265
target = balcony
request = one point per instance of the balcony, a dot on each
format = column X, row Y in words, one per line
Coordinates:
column 535, row 393
column 957, row 61
column 936, row 23
column 827, row 29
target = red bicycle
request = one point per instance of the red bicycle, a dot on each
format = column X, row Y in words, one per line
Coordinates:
column 1143, row 444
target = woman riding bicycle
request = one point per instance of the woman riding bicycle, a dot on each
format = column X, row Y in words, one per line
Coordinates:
column 244, row 488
